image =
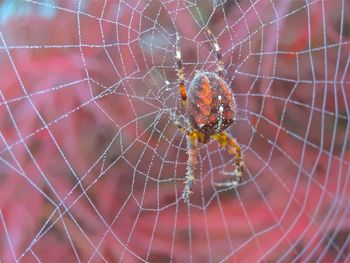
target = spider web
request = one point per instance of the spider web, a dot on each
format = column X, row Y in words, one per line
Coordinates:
column 92, row 167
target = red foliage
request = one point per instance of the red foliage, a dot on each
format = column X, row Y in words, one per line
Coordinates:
column 90, row 165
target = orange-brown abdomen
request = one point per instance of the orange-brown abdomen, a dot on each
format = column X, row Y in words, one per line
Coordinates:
column 210, row 104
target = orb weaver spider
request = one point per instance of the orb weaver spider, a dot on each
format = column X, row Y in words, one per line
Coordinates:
column 211, row 109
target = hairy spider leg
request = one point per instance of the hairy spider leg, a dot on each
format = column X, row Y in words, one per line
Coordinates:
column 193, row 138
column 197, row 135
column 180, row 72
column 192, row 145
column 230, row 144
column 217, row 49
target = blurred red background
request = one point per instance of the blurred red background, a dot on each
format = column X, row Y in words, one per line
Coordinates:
column 91, row 166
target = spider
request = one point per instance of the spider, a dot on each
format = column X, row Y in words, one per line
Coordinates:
column 210, row 109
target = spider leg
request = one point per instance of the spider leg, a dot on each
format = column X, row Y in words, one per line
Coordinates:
column 180, row 126
column 233, row 148
column 192, row 144
column 217, row 49
column 180, row 72
column 193, row 137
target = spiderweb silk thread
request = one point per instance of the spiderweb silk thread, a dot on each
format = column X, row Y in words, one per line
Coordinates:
column 92, row 166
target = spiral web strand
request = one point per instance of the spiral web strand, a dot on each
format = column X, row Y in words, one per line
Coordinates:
column 92, row 166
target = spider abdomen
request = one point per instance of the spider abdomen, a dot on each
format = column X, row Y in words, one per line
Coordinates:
column 210, row 104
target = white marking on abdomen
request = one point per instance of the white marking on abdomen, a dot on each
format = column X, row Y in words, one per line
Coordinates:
column 178, row 54
column 221, row 110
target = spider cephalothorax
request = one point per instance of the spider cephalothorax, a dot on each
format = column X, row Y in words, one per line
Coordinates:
column 211, row 109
